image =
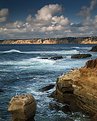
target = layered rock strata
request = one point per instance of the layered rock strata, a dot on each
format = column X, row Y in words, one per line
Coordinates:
column 78, row 88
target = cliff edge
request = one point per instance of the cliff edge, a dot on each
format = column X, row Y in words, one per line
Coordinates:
column 66, row 40
column 78, row 88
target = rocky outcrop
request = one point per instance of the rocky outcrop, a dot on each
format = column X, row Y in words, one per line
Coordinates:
column 94, row 49
column 56, row 57
column 80, row 56
column 22, row 107
column 78, row 88
column 46, row 88
column 91, row 64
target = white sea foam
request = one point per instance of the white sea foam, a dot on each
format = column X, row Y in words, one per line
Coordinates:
column 11, row 51
column 75, row 47
column 31, row 62
column 42, row 52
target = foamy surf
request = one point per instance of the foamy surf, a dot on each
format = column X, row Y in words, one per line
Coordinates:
column 41, row 52
column 31, row 61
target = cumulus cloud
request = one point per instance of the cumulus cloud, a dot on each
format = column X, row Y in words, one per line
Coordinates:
column 49, row 22
column 48, row 11
column 3, row 14
column 46, row 19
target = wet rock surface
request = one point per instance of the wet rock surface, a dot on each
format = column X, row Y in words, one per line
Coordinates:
column 94, row 118
column 22, row 107
column 58, row 106
column 80, row 56
column 56, row 57
column 94, row 49
column 48, row 87
column 78, row 89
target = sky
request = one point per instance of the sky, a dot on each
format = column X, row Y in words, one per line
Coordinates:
column 26, row 19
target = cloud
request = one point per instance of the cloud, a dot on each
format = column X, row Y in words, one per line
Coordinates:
column 52, row 28
column 60, row 20
column 93, row 3
column 3, row 14
column 47, row 16
column 46, row 19
column 29, row 19
column 48, row 11
column 3, row 19
column 86, row 10
column 49, row 22
column 88, row 25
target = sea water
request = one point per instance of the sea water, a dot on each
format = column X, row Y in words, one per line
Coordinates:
column 23, row 70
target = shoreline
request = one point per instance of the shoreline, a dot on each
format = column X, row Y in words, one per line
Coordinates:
column 78, row 89
column 66, row 40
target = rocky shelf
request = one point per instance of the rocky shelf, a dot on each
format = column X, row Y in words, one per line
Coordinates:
column 78, row 89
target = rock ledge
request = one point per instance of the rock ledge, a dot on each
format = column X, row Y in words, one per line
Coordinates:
column 78, row 88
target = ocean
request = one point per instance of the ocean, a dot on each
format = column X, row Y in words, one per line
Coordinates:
column 24, row 69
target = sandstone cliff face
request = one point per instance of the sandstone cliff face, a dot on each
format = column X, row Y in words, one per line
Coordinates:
column 22, row 42
column 89, row 41
column 35, row 41
column 66, row 40
column 78, row 88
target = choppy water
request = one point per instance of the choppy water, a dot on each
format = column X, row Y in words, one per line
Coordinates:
column 23, row 71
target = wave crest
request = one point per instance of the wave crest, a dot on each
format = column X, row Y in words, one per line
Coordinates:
column 41, row 52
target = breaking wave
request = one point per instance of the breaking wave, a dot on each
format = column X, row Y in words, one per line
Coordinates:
column 41, row 52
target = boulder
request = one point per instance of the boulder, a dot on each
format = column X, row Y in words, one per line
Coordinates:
column 78, row 88
column 22, row 107
column 46, row 88
column 94, row 49
column 80, row 56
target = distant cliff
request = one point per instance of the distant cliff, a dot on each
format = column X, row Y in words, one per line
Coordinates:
column 67, row 40
column 34, row 41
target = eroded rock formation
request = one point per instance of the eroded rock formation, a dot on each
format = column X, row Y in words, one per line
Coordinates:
column 94, row 49
column 80, row 56
column 22, row 107
column 78, row 88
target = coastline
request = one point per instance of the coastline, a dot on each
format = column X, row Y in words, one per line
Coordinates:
column 78, row 89
column 30, row 70
column 67, row 40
